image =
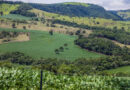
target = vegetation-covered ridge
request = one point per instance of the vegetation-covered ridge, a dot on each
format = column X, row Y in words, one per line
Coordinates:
column 77, row 3
column 23, row 10
column 80, row 66
column 74, row 9
column 117, row 35
column 125, row 14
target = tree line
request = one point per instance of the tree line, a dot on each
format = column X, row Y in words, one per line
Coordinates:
column 117, row 35
column 101, row 45
column 73, row 24
column 4, row 34
column 80, row 66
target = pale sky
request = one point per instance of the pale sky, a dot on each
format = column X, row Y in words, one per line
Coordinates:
column 107, row 4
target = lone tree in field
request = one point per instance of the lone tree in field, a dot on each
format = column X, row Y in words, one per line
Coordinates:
column 1, row 13
column 66, row 45
column 77, row 32
column 24, row 27
column 115, row 28
column 61, row 49
column 84, row 31
column 122, row 28
column 56, row 51
column 51, row 32
column 13, row 25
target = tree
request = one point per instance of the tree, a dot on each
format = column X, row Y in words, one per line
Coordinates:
column 13, row 25
column 77, row 32
column 98, row 22
column 66, row 45
column 115, row 28
column 51, row 32
column 56, row 51
column 47, row 24
column 84, row 31
column 24, row 27
column 122, row 28
column 61, row 49
column 1, row 13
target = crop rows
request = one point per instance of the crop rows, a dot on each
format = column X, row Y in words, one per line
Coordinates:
column 17, row 79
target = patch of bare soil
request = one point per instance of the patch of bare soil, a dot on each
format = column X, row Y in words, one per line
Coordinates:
column 20, row 38
column 120, row 44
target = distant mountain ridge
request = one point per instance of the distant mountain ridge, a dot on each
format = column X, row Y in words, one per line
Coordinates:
column 77, row 9
column 125, row 14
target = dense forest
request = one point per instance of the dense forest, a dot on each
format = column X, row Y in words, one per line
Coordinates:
column 23, row 10
column 101, row 45
column 117, row 35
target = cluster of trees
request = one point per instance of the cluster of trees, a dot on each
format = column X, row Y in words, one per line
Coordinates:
column 61, row 49
column 79, row 66
column 73, row 24
column 23, row 10
column 117, row 35
column 101, row 45
column 4, row 34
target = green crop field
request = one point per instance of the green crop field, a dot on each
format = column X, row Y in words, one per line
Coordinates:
column 125, row 69
column 7, row 8
column 25, row 79
column 42, row 44
column 16, row 17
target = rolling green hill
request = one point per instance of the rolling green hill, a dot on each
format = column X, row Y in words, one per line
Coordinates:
column 7, row 8
column 77, row 9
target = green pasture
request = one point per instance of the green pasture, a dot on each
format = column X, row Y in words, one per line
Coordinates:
column 42, row 44
column 16, row 17
column 125, row 69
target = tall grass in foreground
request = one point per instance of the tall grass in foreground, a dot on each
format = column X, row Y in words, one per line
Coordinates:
column 21, row 79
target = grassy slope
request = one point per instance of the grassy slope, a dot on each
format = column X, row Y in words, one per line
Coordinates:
column 7, row 8
column 108, row 23
column 43, row 45
column 125, row 69
column 15, row 17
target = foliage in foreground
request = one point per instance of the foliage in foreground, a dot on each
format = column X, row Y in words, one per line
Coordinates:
column 79, row 66
column 15, row 78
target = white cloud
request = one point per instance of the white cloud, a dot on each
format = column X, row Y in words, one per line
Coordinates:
column 107, row 4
